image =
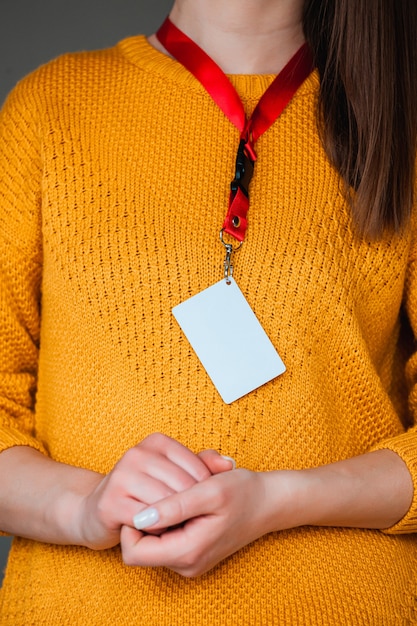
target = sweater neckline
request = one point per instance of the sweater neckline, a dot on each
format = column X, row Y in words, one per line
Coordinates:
column 141, row 53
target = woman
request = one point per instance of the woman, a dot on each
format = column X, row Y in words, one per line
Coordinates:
column 115, row 172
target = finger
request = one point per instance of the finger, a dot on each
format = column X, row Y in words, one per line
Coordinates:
column 202, row 499
column 217, row 463
column 119, row 511
column 154, row 466
column 172, row 548
column 179, row 455
column 148, row 489
column 130, row 536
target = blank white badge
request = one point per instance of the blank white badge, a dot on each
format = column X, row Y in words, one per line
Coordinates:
column 229, row 340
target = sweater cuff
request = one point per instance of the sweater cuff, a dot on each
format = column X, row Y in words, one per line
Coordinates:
column 406, row 447
column 10, row 437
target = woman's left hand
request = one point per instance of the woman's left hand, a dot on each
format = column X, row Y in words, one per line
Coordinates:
column 206, row 523
column 216, row 517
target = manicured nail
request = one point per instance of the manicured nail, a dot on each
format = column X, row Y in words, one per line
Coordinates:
column 149, row 517
column 229, row 458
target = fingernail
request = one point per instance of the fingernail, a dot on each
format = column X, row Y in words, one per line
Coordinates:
column 229, row 458
column 146, row 518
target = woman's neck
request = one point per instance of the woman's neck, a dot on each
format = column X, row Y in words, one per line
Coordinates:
column 242, row 36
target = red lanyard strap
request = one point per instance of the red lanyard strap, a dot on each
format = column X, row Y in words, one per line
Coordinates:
column 268, row 109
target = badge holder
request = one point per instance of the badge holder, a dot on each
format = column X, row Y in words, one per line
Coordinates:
column 218, row 322
column 220, row 325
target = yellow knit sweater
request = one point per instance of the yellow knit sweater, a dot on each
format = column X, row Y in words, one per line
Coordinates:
column 114, row 170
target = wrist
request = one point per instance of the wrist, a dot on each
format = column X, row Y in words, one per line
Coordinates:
column 67, row 511
column 372, row 490
column 287, row 492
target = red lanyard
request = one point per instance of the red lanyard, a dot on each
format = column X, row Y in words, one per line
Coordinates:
column 268, row 109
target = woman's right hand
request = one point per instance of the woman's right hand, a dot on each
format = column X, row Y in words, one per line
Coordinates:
column 52, row 502
column 150, row 471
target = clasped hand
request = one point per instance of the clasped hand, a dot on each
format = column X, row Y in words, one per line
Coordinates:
column 169, row 507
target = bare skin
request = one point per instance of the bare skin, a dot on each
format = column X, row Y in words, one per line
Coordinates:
column 219, row 511
column 230, row 510
column 223, row 510
column 56, row 503
column 248, row 37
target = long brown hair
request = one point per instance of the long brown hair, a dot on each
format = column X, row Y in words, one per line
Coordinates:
column 366, row 55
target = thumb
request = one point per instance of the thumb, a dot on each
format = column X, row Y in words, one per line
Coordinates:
column 177, row 508
column 215, row 462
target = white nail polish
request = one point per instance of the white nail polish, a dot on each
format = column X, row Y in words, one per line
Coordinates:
column 146, row 518
column 229, row 458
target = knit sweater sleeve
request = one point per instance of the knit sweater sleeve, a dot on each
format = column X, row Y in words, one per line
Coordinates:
column 405, row 445
column 20, row 268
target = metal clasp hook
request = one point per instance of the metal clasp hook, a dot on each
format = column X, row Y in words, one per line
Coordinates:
column 228, row 265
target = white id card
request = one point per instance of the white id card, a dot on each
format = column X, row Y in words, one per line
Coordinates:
column 228, row 339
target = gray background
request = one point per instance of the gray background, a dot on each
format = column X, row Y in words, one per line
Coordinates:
column 34, row 31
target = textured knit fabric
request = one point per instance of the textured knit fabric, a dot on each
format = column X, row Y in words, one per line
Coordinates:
column 115, row 168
